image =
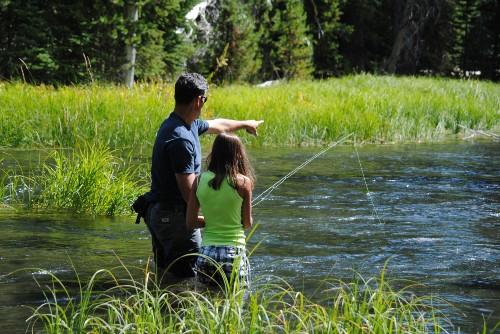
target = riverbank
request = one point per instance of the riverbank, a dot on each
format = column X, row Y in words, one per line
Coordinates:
column 377, row 109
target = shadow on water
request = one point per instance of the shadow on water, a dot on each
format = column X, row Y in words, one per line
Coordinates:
column 435, row 214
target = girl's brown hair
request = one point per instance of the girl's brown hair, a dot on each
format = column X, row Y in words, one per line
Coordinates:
column 228, row 158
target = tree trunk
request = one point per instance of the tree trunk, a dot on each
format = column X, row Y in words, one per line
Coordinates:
column 132, row 17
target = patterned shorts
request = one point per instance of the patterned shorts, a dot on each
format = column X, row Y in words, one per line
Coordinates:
column 215, row 261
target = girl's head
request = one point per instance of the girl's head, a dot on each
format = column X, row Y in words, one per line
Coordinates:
column 228, row 158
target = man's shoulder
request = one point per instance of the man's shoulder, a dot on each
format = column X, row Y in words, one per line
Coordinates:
column 171, row 129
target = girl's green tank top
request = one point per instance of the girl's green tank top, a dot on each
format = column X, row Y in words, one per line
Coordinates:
column 222, row 211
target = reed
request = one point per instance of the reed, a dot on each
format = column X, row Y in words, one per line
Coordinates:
column 90, row 179
column 374, row 108
column 5, row 188
column 15, row 187
column 139, row 305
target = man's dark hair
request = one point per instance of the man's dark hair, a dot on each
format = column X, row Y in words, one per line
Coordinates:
column 189, row 86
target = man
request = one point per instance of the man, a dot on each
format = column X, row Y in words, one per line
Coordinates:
column 175, row 163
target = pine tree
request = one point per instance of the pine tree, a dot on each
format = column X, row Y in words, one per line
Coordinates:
column 285, row 41
column 485, row 36
column 465, row 13
column 476, row 24
column 437, row 41
column 79, row 41
column 163, row 48
column 27, row 43
column 227, row 53
column 323, row 18
column 262, row 11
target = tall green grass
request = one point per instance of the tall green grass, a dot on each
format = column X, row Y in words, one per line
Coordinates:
column 375, row 108
column 15, row 187
column 67, row 116
column 139, row 305
column 93, row 181
column 90, row 179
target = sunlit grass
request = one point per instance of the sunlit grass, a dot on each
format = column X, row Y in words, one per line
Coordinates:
column 90, row 179
column 138, row 305
column 375, row 108
column 15, row 187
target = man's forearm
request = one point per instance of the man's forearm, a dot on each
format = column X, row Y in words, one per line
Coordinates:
column 221, row 125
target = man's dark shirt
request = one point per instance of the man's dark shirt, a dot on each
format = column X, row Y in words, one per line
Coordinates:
column 177, row 149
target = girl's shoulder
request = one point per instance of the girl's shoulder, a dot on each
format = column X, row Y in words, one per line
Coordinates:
column 244, row 182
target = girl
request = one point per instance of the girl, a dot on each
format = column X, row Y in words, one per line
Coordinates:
column 224, row 194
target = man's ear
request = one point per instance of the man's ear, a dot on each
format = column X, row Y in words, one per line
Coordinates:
column 193, row 104
column 198, row 103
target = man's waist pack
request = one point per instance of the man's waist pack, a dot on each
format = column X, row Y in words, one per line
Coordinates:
column 140, row 206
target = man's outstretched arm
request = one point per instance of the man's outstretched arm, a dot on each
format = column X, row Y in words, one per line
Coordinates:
column 220, row 125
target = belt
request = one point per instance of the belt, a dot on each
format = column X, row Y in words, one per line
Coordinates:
column 171, row 206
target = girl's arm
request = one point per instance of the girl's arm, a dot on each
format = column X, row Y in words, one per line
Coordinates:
column 192, row 219
column 245, row 187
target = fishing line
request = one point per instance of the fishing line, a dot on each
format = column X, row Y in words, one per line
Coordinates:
column 366, row 186
column 263, row 195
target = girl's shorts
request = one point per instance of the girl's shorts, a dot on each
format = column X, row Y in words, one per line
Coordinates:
column 215, row 261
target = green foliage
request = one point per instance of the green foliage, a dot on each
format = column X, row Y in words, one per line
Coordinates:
column 324, row 21
column 248, row 41
column 92, row 181
column 286, row 45
column 139, row 305
column 81, row 41
column 376, row 108
column 89, row 180
column 25, row 40
column 476, row 41
column 262, row 10
column 228, row 51
column 162, row 51
column 486, row 47
column 436, row 51
column 370, row 38
column 66, row 116
column 464, row 15
column 15, row 187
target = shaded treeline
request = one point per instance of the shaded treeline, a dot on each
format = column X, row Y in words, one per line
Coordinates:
column 247, row 40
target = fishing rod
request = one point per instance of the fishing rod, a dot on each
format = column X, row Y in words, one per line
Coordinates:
column 263, row 195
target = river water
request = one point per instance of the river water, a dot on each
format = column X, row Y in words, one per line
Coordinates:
column 432, row 211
